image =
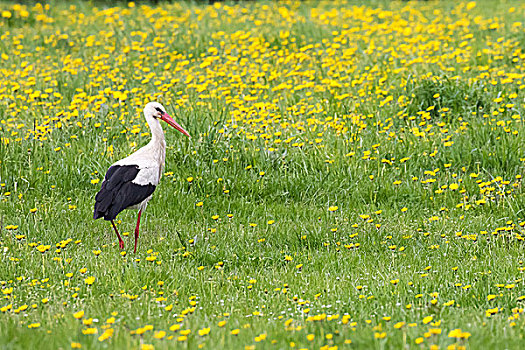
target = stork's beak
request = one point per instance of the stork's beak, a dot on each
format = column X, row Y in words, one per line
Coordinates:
column 173, row 123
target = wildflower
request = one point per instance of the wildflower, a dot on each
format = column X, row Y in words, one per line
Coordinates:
column 458, row 333
column 89, row 331
column 108, row 333
column 43, row 248
column 79, row 314
column 399, row 325
column 159, row 334
column 203, row 332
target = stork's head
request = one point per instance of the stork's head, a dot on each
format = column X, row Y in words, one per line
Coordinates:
column 157, row 111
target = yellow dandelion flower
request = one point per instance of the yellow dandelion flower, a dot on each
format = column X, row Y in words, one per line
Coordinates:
column 203, row 332
column 89, row 331
column 159, row 334
column 79, row 314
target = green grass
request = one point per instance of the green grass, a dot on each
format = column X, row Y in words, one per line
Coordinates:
column 370, row 193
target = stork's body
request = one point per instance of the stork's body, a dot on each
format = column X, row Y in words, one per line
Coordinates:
column 130, row 182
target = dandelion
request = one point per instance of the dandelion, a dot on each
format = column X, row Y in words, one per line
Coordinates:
column 427, row 319
column 185, row 332
column 89, row 331
column 43, row 248
column 399, row 325
column 458, row 333
column 159, row 334
column 108, row 333
column 203, row 332
column 380, row 335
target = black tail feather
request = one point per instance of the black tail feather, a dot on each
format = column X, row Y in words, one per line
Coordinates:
column 118, row 192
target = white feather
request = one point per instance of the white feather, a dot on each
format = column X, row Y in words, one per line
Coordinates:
column 150, row 158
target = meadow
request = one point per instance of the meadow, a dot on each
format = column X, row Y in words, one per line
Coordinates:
column 354, row 177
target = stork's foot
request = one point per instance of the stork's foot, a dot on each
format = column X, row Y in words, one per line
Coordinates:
column 121, row 245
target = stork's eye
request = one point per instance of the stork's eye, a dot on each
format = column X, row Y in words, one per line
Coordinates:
column 160, row 111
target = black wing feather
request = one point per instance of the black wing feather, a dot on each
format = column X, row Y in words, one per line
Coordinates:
column 118, row 192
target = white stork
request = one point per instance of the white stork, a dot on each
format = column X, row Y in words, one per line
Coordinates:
column 130, row 182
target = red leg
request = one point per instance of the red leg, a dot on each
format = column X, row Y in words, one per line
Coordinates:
column 120, row 241
column 137, row 231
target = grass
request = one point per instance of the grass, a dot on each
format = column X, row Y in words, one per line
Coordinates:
column 354, row 178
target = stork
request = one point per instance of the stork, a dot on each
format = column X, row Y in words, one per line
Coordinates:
column 130, row 182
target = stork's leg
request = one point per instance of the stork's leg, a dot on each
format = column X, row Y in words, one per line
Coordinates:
column 120, row 241
column 137, row 231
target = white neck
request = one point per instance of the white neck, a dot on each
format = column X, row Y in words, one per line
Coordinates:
column 157, row 134
column 157, row 145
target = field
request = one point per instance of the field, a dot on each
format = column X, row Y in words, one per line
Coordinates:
column 354, row 177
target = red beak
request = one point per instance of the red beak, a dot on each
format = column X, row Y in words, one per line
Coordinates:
column 173, row 123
